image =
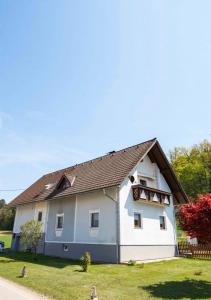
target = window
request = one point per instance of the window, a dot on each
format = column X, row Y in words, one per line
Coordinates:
column 39, row 218
column 64, row 184
column 137, row 220
column 143, row 182
column 94, row 219
column 59, row 221
column 65, row 248
column 162, row 222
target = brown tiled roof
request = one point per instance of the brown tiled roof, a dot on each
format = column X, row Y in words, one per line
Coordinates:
column 105, row 171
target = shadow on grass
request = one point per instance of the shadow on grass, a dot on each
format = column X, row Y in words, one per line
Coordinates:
column 191, row 289
column 54, row 262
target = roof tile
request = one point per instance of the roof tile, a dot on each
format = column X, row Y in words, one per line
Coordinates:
column 104, row 171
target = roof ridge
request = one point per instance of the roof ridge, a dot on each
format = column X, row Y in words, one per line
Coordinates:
column 97, row 158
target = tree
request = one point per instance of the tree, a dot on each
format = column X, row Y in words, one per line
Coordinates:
column 30, row 235
column 193, row 168
column 7, row 216
column 195, row 218
column 2, row 203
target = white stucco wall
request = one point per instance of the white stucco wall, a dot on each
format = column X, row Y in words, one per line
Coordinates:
column 83, row 204
column 41, row 206
column 77, row 221
column 23, row 214
column 95, row 201
column 150, row 234
column 29, row 212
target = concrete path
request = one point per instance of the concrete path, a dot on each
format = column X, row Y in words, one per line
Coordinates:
column 159, row 259
column 12, row 291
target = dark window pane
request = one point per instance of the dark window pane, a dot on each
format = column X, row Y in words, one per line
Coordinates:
column 95, row 220
column 143, row 182
column 39, row 216
column 60, row 222
column 137, row 220
column 64, row 184
column 162, row 222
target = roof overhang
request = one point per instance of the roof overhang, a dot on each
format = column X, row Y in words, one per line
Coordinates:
column 157, row 155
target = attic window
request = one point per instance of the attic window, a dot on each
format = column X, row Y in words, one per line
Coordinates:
column 143, row 182
column 64, row 184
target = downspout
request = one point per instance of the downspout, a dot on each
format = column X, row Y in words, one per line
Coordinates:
column 175, row 226
column 46, row 226
column 117, row 221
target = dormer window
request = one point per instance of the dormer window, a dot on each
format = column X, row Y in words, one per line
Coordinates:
column 64, row 184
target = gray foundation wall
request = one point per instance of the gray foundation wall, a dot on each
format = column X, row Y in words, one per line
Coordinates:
column 99, row 252
column 102, row 252
column 15, row 244
column 146, row 252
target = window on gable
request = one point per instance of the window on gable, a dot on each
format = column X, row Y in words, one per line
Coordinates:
column 162, row 222
column 143, row 182
column 137, row 220
column 59, row 221
column 39, row 217
column 95, row 220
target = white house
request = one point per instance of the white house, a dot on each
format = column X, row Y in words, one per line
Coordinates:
column 118, row 207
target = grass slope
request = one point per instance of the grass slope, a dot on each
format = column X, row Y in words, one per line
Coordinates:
column 63, row 279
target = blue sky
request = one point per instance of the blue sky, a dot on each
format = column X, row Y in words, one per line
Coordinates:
column 81, row 78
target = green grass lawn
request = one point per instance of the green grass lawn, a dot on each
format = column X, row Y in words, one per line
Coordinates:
column 63, row 279
column 6, row 236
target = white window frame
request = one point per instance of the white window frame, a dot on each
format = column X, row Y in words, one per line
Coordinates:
column 57, row 216
column 90, row 219
column 164, row 217
column 141, row 218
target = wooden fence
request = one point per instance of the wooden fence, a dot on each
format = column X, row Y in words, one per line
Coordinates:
column 196, row 251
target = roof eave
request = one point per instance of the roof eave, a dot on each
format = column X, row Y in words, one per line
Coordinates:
column 178, row 193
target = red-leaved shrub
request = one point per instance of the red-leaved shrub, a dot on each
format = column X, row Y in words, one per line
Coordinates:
column 195, row 218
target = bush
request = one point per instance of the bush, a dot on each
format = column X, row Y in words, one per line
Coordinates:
column 85, row 261
column 195, row 218
column 131, row 263
column 30, row 235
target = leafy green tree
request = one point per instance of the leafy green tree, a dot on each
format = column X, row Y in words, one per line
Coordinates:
column 2, row 203
column 193, row 168
column 30, row 235
column 7, row 216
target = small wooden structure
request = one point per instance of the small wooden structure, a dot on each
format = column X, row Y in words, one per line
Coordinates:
column 24, row 272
